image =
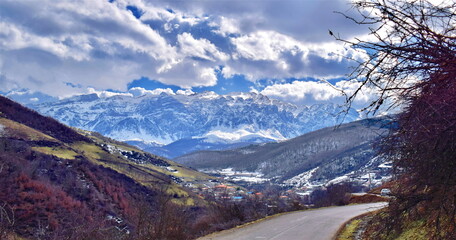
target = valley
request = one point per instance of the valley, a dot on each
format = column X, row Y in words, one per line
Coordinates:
column 52, row 167
column 244, row 138
column 175, row 120
column 343, row 153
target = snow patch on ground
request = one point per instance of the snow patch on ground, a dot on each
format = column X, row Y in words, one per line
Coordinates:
column 337, row 180
column 2, row 130
column 246, row 151
column 303, row 179
column 239, row 176
column 386, row 165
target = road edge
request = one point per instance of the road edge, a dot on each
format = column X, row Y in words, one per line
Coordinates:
column 208, row 236
column 249, row 223
column 344, row 225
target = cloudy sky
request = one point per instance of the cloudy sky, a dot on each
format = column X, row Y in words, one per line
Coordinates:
column 280, row 48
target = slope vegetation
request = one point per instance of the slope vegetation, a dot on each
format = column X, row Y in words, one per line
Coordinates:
column 60, row 182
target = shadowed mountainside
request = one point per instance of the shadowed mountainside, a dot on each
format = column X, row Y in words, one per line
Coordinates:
column 332, row 152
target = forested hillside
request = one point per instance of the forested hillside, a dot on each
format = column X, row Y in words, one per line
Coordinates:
column 332, row 152
column 57, row 183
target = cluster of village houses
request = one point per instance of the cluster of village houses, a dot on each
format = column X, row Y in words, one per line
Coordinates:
column 220, row 190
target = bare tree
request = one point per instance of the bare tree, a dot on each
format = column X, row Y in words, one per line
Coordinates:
column 7, row 220
column 412, row 62
column 410, row 41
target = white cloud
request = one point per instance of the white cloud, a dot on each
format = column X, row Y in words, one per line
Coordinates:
column 46, row 44
column 88, row 43
column 306, row 21
column 155, row 11
column 302, row 92
column 264, row 45
column 14, row 37
column 186, row 74
column 107, row 94
column 138, row 91
column 200, row 48
column 271, row 45
column 19, row 92
column 225, row 26
column 132, row 92
column 185, row 92
column 268, row 54
column 308, row 92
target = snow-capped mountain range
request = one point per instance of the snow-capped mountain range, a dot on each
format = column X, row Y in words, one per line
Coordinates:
column 161, row 122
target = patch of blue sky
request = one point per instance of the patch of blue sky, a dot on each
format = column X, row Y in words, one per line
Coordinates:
column 150, row 84
column 73, row 85
column 135, row 11
column 201, row 30
column 263, row 83
column 236, row 83
column 335, row 80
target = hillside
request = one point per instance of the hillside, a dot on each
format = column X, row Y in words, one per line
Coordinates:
column 202, row 121
column 319, row 156
column 57, row 181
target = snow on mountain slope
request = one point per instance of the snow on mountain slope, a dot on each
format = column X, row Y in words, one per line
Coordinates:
column 302, row 179
column 243, row 133
column 212, row 118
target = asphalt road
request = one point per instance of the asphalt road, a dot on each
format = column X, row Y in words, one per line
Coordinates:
column 320, row 224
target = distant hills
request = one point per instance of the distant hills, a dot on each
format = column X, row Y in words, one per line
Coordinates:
column 342, row 152
column 173, row 125
column 197, row 129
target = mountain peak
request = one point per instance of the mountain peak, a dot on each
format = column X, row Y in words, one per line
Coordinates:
column 83, row 98
column 168, row 118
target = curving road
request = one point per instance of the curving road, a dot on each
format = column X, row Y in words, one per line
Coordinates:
column 319, row 224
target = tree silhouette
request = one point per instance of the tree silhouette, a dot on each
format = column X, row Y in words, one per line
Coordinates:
column 411, row 44
column 412, row 63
